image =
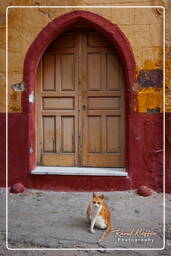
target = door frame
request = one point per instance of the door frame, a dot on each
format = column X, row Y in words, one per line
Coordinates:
column 53, row 29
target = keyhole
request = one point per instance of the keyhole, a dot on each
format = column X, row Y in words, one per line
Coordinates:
column 83, row 107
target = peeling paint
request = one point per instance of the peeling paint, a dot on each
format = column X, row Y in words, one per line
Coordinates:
column 150, row 100
column 149, row 93
column 150, row 65
column 150, row 78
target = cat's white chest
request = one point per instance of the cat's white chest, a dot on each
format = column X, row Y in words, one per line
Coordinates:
column 95, row 211
column 100, row 223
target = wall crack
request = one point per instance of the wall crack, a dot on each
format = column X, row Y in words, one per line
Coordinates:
column 46, row 13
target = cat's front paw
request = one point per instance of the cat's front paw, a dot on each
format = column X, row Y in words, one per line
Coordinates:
column 92, row 231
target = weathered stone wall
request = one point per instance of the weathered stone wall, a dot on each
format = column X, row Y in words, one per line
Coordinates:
column 143, row 28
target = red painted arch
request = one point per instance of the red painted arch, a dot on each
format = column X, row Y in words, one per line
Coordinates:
column 111, row 31
column 53, row 29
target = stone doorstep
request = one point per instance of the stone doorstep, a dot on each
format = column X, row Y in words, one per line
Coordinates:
column 82, row 171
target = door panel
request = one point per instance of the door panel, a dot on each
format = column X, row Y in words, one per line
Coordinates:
column 65, row 40
column 57, row 159
column 94, row 128
column 48, row 134
column 67, row 72
column 56, row 103
column 94, row 71
column 103, row 103
column 68, row 138
column 81, row 102
column 49, row 73
column 113, row 72
column 95, row 39
column 113, row 134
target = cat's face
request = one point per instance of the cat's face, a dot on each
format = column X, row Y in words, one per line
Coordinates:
column 97, row 200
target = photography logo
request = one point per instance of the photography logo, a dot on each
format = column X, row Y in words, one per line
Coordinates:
column 138, row 235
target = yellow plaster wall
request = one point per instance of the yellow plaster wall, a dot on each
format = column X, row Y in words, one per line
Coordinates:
column 143, row 28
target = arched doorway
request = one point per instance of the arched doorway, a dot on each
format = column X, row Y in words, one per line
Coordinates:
column 65, row 22
column 81, row 102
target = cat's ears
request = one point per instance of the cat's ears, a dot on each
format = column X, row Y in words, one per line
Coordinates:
column 101, row 196
column 94, row 194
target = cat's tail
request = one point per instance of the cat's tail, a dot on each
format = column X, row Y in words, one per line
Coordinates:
column 106, row 232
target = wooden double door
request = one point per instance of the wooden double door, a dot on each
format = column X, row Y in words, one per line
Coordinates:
column 80, row 102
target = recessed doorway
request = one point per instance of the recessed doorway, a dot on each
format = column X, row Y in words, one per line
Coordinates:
column 80, row 102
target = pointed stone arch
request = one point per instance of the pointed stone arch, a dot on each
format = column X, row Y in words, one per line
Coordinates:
column 52, row 30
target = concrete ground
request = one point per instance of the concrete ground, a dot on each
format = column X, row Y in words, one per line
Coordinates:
column 45, row 219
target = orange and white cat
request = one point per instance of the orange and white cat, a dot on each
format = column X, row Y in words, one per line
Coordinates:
column 98, row 215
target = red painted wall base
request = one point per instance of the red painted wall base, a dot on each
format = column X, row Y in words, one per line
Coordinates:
column 2, row 149
column 145, row 164
column 168, row 152
column 79, row 183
